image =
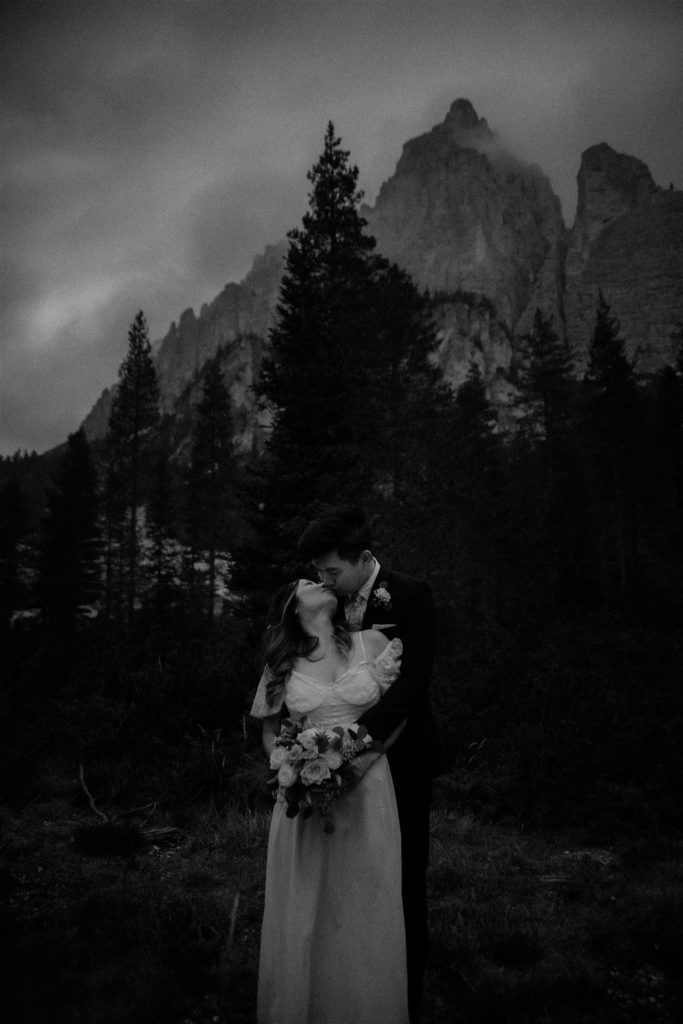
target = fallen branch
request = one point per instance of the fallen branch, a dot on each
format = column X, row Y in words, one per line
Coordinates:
column 81, row 775
column 158, row 833
column 147, row 809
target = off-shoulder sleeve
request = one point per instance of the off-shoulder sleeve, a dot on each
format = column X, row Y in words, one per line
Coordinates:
column 261, row 708
column 387, row 665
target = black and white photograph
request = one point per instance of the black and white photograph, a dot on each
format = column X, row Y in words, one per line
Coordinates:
column 341, row 511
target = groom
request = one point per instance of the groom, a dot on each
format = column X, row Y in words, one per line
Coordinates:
column 371, row 596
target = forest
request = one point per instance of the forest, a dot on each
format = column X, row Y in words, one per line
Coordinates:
column 136, row 573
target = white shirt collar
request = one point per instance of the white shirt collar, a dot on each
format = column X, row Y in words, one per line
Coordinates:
column 366, row 589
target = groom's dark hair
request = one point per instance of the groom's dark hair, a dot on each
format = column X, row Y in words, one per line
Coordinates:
column 344, row 529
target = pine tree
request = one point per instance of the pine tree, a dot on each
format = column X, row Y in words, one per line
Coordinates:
column 406, row 398
column 609, row 369
column 347, row 381
column 613, row 425
column 669, row 437
column 69, row 551
column 112, row 528
column 13, row 528
column 462, row 512
column 133, row 421
column 548, row 456
column 211, row 477
column 547, row 380
column 160, row 516
column 312, row 380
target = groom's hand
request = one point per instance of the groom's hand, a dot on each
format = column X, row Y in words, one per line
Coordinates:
column 360, row 764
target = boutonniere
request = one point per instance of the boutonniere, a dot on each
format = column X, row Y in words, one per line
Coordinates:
column 381, row 598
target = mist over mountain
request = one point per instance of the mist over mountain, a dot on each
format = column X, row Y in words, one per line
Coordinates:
column 483, row 232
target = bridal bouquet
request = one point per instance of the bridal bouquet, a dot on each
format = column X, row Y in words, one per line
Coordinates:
column 314, row 766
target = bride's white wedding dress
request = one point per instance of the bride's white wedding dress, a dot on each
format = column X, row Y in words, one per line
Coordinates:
column 333, row 941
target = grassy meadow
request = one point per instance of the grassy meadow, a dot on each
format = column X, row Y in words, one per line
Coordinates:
column 133, row 839
column 527, row 926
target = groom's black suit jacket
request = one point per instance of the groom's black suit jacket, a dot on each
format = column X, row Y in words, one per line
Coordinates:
column 415, row 757
column 410, row 616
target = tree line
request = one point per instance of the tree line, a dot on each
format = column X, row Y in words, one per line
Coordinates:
column 122, row 524
column 580, row 502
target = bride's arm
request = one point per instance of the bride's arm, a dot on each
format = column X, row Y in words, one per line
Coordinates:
column 271, row 729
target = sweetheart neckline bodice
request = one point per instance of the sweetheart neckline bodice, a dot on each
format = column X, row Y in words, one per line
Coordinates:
column 360, row 685
column 358, row 688
column 334, row 682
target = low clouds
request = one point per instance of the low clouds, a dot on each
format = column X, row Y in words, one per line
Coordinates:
column 152, row 150
column 48, row 388
column 223, row 226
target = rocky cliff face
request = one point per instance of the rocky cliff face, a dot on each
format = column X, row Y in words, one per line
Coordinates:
column 627, row 241
column 236, row 323
column 484, row 232
column 239, row 310
column 468, row 330
column 462, row 212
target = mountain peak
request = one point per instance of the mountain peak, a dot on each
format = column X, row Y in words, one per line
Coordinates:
column 611, row 183
column 463, row 117
column 460, row 212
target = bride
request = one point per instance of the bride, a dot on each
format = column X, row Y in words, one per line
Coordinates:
column 332, row 940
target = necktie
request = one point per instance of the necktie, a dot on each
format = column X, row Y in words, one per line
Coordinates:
column 354, row 613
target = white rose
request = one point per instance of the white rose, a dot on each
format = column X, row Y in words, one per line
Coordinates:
column 287, row 776
column 332, row 758
column 279, row 756
column 308, row 740
column 315, row 772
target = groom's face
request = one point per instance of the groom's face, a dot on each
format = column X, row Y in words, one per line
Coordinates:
column 342, row 576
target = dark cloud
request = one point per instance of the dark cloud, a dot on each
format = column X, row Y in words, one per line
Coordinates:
column 152, row 149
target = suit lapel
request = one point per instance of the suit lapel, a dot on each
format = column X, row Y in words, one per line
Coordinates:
column 373, row 614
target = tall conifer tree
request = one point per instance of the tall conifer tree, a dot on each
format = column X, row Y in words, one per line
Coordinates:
column 461, row 517
column 346, row 379
column 69, row 554
column 312, row 381
column 668, row 460
column 547, row 380
column 312, row 378
column 406, row 400
column 133, row 421
column 160, row 517
column 211, row 477
column 556, row 516
column 13, row 530
column 613, row 424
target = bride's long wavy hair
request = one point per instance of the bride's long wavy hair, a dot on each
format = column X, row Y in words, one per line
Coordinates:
column 286, row 640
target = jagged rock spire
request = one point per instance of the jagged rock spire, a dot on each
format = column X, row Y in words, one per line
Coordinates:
column 463, row 117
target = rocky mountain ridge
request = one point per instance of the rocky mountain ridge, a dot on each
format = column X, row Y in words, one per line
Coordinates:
column 627, row 240
column 483, row 231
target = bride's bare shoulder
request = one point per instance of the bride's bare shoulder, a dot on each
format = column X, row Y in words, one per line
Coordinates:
column 374, row 642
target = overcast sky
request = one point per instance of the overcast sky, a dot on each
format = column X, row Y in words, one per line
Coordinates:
column 152, row 148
